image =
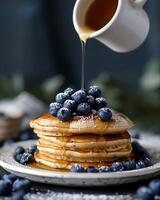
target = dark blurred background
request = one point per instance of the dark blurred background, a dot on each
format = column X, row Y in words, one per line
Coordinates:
column 40, row 52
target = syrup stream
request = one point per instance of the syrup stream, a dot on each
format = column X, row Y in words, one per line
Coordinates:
column 83, row 46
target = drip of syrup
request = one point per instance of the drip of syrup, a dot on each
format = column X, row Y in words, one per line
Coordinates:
column 99, row 13
column 84, row 35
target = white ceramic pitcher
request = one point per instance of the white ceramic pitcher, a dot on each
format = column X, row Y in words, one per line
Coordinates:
column 127, row 29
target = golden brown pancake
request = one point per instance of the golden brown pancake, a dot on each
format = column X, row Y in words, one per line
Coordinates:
column 52, row 126
column 86, row 147
column 61, row 164
column 84, row 140
column 92, row 156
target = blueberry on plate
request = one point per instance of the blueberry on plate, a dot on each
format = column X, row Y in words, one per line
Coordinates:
column 18, row 195
column 100, row 102
column 19, row 150
column 145, row 193
column 26, row 158
column 79, row 96
column 54, row 107
column 64, row 114
column 77, row 168
column 21, row 184
column 69, row 91
column 139, row 151
column 92, row 169
column 84, row 109
column 70, row 104
column 90, row 100
column 61, row 97
column 10, row 177
column 147, row 162
column 104, row 169
column 154, row 185
column 105, row 114
column 129, row 165
column 117, row 166
column 32, row 149
column 18, row 157
column 94, row 91
column 140, row 164
column 5, row 187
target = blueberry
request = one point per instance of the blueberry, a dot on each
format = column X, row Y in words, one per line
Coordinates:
column 139, row 151
column 77, row 168
column 84, row 109
column 18, row 195
column 136, row 146
column 32, row 149
column 26, row 135
column 54, row 107
column 144, row 193
column 70, row 104
column 19, row 150
column 146, row 154
column 26, row 158
column 100, row 103
column 155, row 186
column 64, row 114
column 117, row 166
column 129, row 165
column 104, row 169
column 21, row 184
column 92, row 169
column 105, row 114
column 18, row 157
column 8, row 186
column 5, row 187
column 140, row 164
column 147, row 162
column 79, row 96
column 61, row 97
column 10, row 177
column 69, row 91
column 34, row 136
column 94, row 91
column 90, row 100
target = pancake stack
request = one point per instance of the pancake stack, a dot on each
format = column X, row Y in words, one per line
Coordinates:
column 84, row 140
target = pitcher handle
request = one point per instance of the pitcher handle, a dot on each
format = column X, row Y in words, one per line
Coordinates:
column 138, row 3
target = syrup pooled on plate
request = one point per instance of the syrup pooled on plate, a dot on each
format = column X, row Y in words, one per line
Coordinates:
column 37, row 165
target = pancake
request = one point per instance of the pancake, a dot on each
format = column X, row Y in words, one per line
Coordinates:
column 87, row 142
column 52, row 126
column 75, row 156
column 61, row 164
column 84, row 140
column 86, row 148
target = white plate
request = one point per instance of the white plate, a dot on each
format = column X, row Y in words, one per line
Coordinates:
column 78, row 179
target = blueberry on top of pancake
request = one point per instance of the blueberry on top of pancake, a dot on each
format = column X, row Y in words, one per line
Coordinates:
column 80, row 102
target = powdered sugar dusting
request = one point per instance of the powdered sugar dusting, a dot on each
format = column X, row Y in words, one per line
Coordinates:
column 49, row 195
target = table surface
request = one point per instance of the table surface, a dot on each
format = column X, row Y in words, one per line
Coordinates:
column 119, row 192
column 41, row 192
